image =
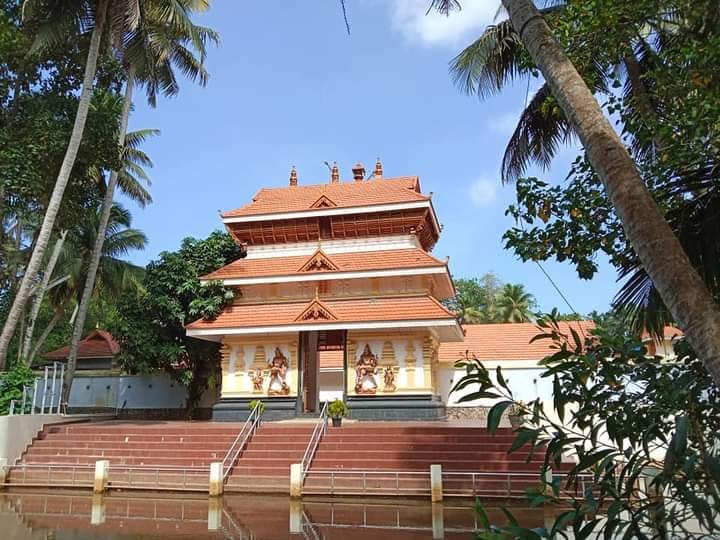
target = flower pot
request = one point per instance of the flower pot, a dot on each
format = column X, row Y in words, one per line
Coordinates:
column 337, row 422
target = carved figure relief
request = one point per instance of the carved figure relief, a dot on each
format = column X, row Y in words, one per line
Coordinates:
column 389, row 379
column 257, row 380
column 278, row 369
column 365, row 369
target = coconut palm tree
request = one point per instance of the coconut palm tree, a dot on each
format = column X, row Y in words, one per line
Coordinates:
column 115, row 275
column 164, row 40
column 677, row 282
column 133, row 181
column 56, row 20
column 498, row 57
column 514, row 304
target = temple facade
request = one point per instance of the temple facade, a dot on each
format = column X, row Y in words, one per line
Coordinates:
column 337, row 274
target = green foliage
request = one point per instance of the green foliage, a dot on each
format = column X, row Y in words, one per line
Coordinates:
column 654, row 63
column 644, row 431
column 488, row 300
column 337, row 409
column 257, row 403
column 151, row 325
column 12, row 383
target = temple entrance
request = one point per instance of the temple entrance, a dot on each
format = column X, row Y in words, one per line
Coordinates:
column 322, row 368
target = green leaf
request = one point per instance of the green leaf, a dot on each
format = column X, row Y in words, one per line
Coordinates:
column 501, row 380
column 482, row 515
column 495, row 415
column 510, row 517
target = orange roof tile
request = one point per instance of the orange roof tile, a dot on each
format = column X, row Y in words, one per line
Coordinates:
column 509, row 341
column 345, row 262
column 669, row 332
column 97, row 344
column 342, row 195
column 381, row 309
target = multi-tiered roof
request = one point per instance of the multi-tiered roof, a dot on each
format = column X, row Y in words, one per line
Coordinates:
column 335, row 255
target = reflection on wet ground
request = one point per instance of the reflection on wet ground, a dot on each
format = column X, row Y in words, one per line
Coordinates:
column 30, row 515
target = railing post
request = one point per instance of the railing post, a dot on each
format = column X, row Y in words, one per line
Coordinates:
column 12, row 407
column 54, row 391
column 549, row 476
column 34, row 400
column 436, row 488
column 45, row 389
column 296, row 480
column 102, row 472
column 62, row 378
column 216, row 479
column 24, row 400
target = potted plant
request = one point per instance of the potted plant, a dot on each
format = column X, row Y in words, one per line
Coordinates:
column 337, row 410
column 260, row 405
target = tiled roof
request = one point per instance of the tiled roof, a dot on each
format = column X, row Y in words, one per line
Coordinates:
column 331, row 359
column 408, row 308
column 669, row 333
column 345, row 262
column 342, row 195
column 509, row 341
column 98, row 344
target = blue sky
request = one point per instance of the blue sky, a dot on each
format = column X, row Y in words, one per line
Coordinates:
column 288, row 86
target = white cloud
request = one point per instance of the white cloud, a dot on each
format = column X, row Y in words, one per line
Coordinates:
column 409, row 17
column 483, row 192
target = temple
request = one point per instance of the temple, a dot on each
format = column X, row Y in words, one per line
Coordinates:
column 337, row 274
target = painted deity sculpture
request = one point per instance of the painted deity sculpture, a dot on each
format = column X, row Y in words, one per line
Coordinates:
column 278, row 369
column 365, row 368
column 389, row 379
column 257, row 380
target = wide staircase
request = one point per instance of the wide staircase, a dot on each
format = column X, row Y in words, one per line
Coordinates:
column 160, row 455
column 396, row 457
column 264, row 465
column 367, row 457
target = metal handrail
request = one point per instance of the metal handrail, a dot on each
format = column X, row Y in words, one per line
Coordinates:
column 241, row 440
column 318, row 432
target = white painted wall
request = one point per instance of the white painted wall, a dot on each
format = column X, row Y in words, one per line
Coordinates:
column 523, row 378
column 331, row 385
column 17, row 431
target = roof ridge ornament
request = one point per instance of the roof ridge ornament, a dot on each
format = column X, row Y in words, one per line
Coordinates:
column 358, row 172
column 318, row 262
column 293, row 176
column 316, row 311
column 335, row 174
column 323, row 202
column 378, row 173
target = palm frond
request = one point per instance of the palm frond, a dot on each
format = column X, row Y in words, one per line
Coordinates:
column 490, row 62
column 444, row 7
column 541, row 129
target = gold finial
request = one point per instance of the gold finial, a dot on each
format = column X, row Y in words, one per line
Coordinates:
column 378, row 169
column 317, row 292
column 334, row 174
column 293, row 176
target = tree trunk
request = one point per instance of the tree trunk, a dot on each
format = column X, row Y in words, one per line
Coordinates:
column 40, row 294
column 41, row 340
column 94, row 262
column 659, row 250
column 33, row 267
